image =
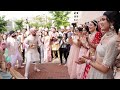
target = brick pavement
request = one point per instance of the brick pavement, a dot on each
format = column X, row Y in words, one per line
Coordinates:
column 48, row 71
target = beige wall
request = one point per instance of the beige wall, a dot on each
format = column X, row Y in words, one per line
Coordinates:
column 89, row 15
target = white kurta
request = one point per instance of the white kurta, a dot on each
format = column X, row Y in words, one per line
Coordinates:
column 32, row 53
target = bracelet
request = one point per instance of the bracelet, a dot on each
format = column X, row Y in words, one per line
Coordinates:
column 87, row 61
column 93, row 58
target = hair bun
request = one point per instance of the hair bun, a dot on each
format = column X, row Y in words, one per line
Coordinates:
column 113, row 16
column 11, row 32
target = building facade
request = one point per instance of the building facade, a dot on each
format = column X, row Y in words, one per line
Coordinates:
column 90, row 15
column 80, row 17
column 75, row 16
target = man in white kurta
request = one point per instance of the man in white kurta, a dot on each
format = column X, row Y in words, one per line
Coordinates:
column 31, row 43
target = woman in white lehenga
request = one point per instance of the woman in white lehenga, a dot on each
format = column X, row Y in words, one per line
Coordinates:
column 102, row 67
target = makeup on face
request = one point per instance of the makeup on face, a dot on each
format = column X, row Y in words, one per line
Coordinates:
column 104, row 23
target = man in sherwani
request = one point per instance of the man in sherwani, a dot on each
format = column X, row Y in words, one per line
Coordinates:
column 32, row 55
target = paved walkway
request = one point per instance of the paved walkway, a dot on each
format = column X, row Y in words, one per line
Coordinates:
column 48, row 71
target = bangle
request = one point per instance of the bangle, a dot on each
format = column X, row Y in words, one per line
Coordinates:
column 87, row 61
column 93, row 58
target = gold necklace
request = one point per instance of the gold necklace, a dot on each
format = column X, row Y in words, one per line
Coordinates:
column 108, row 34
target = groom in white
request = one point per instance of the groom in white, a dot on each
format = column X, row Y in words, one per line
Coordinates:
column 32, row 55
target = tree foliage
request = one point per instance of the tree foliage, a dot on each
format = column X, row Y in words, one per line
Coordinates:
column 60, row 18
column 48, row 23
column 36, row 22
column 3, row 24
column 19, row 24
column 41, row 21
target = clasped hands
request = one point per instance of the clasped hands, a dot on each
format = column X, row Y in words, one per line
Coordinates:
column 32, row 46
column 82, row 60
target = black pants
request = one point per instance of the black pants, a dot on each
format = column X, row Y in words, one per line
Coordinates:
column 55, row 53
column 23, row 55
column 68, row 49
column 39, row 53
column 63, row 51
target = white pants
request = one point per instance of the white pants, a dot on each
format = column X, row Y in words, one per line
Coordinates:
column 14, row 59
column 29, row 59
column 42, row 53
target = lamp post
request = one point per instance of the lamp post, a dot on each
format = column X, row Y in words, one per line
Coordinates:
column 27, row 24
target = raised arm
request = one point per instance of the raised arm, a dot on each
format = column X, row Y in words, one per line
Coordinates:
column 26, row 43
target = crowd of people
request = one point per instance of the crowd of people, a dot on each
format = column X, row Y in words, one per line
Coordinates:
column 90, row 50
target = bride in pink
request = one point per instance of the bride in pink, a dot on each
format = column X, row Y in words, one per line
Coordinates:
column 73, row 55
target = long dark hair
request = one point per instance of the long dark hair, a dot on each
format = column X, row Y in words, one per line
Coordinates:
column 95, row 24
column 80, row 29
column 87, row 28
column 113, row 17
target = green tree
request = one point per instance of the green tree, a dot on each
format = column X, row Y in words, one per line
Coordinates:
column 48, row 25
column 19, row 24
column 60, row 18
column 3, row 24
column 41, row 21
column 37, row 22
column 48, row 22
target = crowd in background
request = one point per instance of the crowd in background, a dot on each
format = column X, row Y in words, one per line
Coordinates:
column 90, row 50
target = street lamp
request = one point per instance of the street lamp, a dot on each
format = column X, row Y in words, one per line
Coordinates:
column 27, row 24
column 26, row 21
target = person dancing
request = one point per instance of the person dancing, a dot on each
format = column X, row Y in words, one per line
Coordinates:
column 32, row 55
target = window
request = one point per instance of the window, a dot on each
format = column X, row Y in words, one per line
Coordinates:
column 76, row 16
column 74, row 12
column 77, row 12
column 75, row 19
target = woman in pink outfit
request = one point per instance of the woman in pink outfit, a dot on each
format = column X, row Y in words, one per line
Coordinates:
column 93, row 40
column 83, row 52
column 73, row 55
column 47, row 48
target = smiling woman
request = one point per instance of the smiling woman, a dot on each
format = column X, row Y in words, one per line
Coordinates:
column 106, row 50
